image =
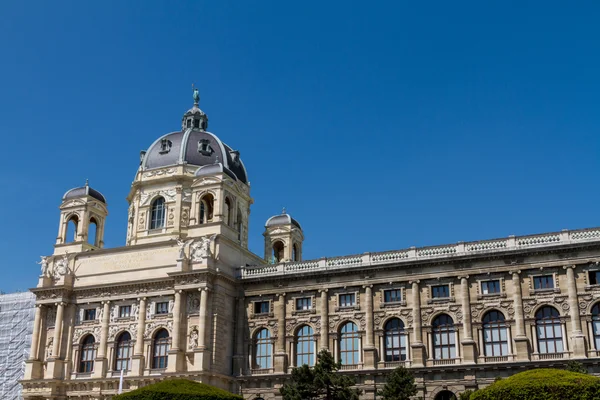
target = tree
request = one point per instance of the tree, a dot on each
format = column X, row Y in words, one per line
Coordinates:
column 466, row 395
column 322, row 382
column 399, row 385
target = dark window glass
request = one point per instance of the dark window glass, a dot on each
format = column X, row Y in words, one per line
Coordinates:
column 88, row 354
column 305, row 346
column 262, row 307
column 596, row 325
column 89, row 314
column 594, row 277
column 440, row 292
column 196, row 123
column 124, row 311
column 548, row 330
column 347, row 300
column 349, row 344
column 304, row 303
column 543, row 282
column 495, row 335
column 162, row 307
column 123, row 356
column 444, row 338
column 395, row 341
column 392, row 295
column 157, row 217
column 263, row 349
column 490, row 287
column 160, row 349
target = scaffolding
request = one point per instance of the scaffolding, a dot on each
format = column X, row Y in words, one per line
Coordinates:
column 17, row 312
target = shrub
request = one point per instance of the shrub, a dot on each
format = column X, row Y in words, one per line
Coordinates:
column 542, row 384
column 466, row 395
column 178, row 389
column 575, row 366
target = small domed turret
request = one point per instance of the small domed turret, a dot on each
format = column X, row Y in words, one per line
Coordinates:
column 283, row 239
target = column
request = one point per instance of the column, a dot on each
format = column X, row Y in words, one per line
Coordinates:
column 469, row 348
column 280, row 356
column 201, row 353
column 370, row 351
column 577, row 336
column 137, row 365
column 101, row 363
column 418, row 348
column 58, row 327
column 324, row 345
column 521, row 341
column 35, row 338
column 175, row 353
column 238, row 359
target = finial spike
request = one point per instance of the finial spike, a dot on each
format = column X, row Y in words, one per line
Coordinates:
column 87, row 182
column 283, row 211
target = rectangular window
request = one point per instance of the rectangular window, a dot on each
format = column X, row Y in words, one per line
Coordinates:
column 392, row 296
column 543, row 282
column 594, row 277
column 89, row 314
column 305, row 303
column 162, row 307
column 347, row 300
column 440, row 292
column 124, row 311
column 262, row 307
column 490, row 287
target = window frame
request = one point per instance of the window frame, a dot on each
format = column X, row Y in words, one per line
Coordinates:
column 395, row 339
column 123, row 352
column 494, row 330
column 124, row 307
column 158, row 308
column 350, row 344
column 441, row 285
column 307, row 299
column 342, row 296
column 550, row 327
column 596, row 277
column 447, row 348
column 158, row 213
column 305, row 346
column 160, row 350
column 255, row 307
column 551, row 278
column 486, row 282
column 263, row 350
column 87, row 312
column 396, row 301
column 87, row 355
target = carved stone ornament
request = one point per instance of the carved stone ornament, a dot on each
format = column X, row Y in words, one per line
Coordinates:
column 193, row 303
column 201, row 248
column 160, row 172
column 169, row 195
column 51, row 317
column 193, row 342
column 152, row 326
column 112, row 331
column 61, row 266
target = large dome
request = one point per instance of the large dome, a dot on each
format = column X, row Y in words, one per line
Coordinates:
column 193, row 146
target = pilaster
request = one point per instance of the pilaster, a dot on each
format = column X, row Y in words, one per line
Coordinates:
column 369, row 351
column 578, row 346
column 280, row 356
column 468, row 344
column 137, row 361
column 418, row 348
column 176, row 358
column 521, row 340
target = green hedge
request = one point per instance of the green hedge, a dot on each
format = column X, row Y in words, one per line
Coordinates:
column 178, row 389
column 542, row 384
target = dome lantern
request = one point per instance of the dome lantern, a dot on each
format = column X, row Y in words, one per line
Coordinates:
column 195, row 118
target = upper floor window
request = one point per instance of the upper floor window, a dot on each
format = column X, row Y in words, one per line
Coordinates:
column 227, row 212
column 347, row 300
column 165, row 146
column 89, row 314
column 278, row 251
column 204, row 147
column 395, row 341
column 495, row 334
column 444, row 337
column 349, row 344
column 392, row 295
column 543, row 282
column 440, row 292
column 594, row 277
column 490, row 287
column 262, row 307
column 305, row 346
column 157, row 214
column 160, row 349
column 88, row 354
column 549, row 330
column 124, row 311
column 263, row 349
column 162, row 307
column 206, row 208
column 123, row 352
column 304, row 303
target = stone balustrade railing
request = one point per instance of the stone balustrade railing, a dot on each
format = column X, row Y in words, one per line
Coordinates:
column 512, row 243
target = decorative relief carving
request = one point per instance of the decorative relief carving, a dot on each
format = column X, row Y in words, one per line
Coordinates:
column 168, row 194
column 193, row 303
column 185, row 214
column 78, row 333
column 193, row 341
column 160, row 172
column 51, row 317
column 201, row 248
column 152, row 326
column 187, row 195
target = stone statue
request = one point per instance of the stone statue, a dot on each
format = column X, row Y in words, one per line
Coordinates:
column 44, row 263
column 182, row 246
column 193, row 339
column 61, row 267
column 49, row 348
column 201, row 249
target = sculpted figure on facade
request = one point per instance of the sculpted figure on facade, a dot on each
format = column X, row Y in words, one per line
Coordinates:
column 61, row 267
column 201, row 248
column 44, row 265
column 193, row 339
column 182, row 245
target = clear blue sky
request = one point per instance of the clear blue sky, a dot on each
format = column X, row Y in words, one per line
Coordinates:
column 379, row 125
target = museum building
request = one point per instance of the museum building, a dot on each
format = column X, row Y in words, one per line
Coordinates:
column 184, row 297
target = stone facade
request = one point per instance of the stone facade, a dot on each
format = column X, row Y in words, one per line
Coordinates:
column 185, row 297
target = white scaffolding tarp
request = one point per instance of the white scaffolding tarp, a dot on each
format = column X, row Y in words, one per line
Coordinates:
column 17, row 311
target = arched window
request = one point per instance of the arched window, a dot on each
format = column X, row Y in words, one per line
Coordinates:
column 495, row 335
column 395, row 340
column 123, row 353
column 305, row 346
column 294, row 252
column 157, row 214
column 349, row 344
column 227, row 211
column 71, row 234
column 160, row 349
column 549, row 330
column 278, row 251
column 88, row 354
column 444, row 338
column 206, row 208
column 596, row 325
column 93, row 232
column 263, row 349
